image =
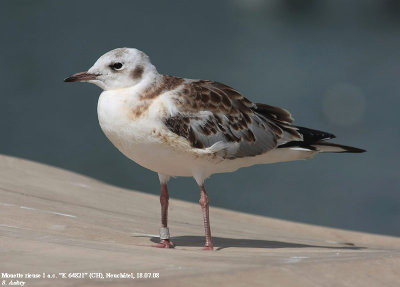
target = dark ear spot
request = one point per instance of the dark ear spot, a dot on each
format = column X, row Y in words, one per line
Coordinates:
column 137, row 72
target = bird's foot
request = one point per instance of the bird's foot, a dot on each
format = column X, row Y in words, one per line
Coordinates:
column 165, row 243
column 208, row 248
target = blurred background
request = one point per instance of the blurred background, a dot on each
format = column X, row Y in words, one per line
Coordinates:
column 334, row 64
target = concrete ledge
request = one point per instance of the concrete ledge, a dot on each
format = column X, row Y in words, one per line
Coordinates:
column 53, row 221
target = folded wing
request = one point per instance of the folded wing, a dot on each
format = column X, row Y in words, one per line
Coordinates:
column 215, row 116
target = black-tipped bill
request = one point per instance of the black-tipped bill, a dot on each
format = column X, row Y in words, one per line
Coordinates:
column 81, row 77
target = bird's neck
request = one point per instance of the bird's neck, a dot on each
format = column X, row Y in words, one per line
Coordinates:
column 150, row 79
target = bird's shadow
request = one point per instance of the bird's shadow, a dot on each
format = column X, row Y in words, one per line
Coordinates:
column 223, row 243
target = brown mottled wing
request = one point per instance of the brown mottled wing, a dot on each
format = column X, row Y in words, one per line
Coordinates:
column 214, row 115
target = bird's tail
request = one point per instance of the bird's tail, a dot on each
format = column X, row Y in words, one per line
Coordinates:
column 332, row 147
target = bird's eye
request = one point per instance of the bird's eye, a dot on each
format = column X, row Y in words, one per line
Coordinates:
column 116, row 66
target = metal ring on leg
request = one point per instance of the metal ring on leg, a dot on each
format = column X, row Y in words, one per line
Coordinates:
column 164, row 233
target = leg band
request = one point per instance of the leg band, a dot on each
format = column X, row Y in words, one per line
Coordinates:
column 164, row 233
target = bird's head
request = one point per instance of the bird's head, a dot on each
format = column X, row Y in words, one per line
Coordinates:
column 116, row 69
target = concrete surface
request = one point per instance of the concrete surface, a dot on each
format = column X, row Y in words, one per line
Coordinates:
column 53, row 221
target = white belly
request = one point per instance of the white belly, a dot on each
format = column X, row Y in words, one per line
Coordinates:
column 144, row 140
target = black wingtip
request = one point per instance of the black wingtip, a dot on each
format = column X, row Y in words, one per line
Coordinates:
column 312, row 136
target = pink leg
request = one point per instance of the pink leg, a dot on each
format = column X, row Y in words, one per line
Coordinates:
column 164, row 197
column 204, row 207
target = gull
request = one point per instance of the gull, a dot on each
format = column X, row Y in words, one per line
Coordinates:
column 192, row 128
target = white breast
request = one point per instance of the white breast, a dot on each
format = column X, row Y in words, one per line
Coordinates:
column 144, row 140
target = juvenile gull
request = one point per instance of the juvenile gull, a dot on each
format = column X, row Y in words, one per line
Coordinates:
column 182, row 127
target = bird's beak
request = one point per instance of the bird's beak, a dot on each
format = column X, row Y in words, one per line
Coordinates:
column 81, row 77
